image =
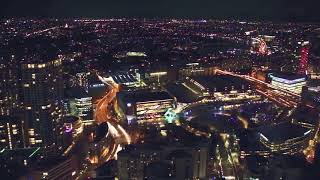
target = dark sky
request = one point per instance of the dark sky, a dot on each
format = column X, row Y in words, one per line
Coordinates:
column 282, row 10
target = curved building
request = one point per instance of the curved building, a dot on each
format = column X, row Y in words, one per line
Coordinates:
column 287, row 81
column 285, row 138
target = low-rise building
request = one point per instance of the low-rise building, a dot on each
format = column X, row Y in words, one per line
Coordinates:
column 288, row 81
column 285, row 138
column 144, row 107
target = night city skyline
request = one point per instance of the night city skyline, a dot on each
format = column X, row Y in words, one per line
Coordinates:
column 160, row 90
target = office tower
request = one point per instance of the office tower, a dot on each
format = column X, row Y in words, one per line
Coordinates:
column 8, row 85
column 42, row 89
column 80, row 103
column 11, row 132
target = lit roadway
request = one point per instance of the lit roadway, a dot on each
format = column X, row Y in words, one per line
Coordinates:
column 42, row 31
column 280, row 96
column 284, row 98
column 116, row 132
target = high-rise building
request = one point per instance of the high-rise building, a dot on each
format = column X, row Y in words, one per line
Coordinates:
column 11, row 132
column 8, row 85
column 80, row 103
column 42, row 89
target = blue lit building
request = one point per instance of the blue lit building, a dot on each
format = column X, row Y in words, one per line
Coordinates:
column 290, row 82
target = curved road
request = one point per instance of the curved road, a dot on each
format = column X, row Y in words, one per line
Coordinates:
column 115, row 131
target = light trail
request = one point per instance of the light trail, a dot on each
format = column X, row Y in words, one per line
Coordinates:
column 126, row 135
column 114, row 147
column 118, row 149
column 285, row 98
column 115, row 130
column 42, row 31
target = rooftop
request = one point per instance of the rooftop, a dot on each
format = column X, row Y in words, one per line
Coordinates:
column 182, row 93
column 282, row 132
column 220, row 82
column 144, row 96
column 124, row 78
column 288, row 75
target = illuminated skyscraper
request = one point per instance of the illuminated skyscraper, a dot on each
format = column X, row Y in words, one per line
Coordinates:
column 42, row 88
column 8, row 86
column 80, row 103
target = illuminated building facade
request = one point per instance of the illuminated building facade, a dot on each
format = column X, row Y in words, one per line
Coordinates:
column 145, row 107
column 311, row 96
column 80, row 103
column 82, row 80
column 8, row 86
column 11, row 134
column 84, row 107
column 42, row 88
column 220, row 87
column 285, row 138
column 158, row 76
column 194, row 69
column 290, row 82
